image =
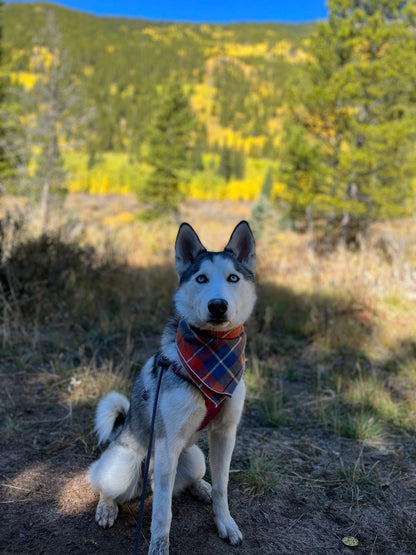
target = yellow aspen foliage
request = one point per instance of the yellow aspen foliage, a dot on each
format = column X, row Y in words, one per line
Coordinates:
column 204, row 187
column 239, row 50
column 282, row 48
column 150, row 32
column 88, row 71
column 156, row 35
column 220, row 33
column 24, row 79
column 120, row 220
column 42, row 58
column 300, row 56
column 202, row 99
column 278, row 191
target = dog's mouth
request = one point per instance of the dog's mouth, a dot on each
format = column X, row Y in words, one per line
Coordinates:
column 217, row 322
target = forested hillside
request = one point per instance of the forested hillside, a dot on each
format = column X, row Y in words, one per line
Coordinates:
column 326, row 112
column 235, row 74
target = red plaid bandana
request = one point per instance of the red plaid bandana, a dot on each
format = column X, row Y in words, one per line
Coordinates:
column 213, row 360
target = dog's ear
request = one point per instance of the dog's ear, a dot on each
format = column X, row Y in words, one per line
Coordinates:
column 187, row 248
column 242, row 245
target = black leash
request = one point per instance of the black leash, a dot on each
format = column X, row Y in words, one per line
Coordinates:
column 163, row 362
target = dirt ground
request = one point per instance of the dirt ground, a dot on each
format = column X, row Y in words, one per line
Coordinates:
column 328, row 488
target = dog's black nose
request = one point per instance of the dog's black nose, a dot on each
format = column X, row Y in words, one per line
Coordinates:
column 218, row 307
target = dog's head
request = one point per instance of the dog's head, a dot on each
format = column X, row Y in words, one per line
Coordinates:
column 216, row 289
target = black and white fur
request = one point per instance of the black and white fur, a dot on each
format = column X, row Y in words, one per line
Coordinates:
column 216, row 292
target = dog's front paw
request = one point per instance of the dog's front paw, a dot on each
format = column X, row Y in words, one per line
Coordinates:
column 106, row 513
column 228, row 530
column 202, row 491
column 160, row 546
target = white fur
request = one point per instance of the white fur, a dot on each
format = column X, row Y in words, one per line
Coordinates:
column 192, row 297
column 177, row 462
column 117, row 473
column 107, row 411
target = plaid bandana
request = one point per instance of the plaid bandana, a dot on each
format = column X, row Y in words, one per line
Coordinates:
column 213, row 360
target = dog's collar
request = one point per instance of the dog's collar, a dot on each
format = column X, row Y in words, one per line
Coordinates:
column 206, row 334
column 213, row 361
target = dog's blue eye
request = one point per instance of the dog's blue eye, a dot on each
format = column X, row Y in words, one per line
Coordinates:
column 201, row 279
column 233, row 278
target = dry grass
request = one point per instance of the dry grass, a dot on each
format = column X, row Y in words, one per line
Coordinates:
column 344, row 324
column 89, row 301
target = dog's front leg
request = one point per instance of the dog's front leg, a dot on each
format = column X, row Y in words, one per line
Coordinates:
column 221, row 444
column 165, row 464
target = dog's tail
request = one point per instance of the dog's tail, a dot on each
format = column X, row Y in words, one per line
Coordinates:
column 110, row 416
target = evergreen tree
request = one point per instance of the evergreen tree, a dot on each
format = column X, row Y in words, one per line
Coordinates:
column 239, row 164
column 199, row 148
column 302, row 172
column 267, row 185
column 169, row 148
column 348, row 154
column 232, row 163
column 197, row 162
column 225, row 168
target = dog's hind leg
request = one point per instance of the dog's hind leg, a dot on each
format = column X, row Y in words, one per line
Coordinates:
column 116, row 475
column 191, row 470
column 106, row 512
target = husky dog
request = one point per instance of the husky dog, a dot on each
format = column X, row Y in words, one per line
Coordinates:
column 203, row 350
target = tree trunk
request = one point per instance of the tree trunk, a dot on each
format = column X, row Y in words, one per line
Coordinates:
column 44, row 207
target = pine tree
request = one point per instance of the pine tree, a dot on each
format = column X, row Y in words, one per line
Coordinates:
column 169, row 148
column 232, row 163
column 267, row 185
column 239, row 164
column 199, row 147
column 225, row 167
column 348, row 154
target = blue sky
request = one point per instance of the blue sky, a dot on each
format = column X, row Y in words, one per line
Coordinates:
column 212, row 11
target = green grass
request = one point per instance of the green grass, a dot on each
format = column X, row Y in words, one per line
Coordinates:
column 266, row 393
column 260, row 478
column 9, row 426
column 360, row 425
column 358, row 481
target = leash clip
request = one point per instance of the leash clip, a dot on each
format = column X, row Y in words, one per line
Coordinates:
column 163, row 361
